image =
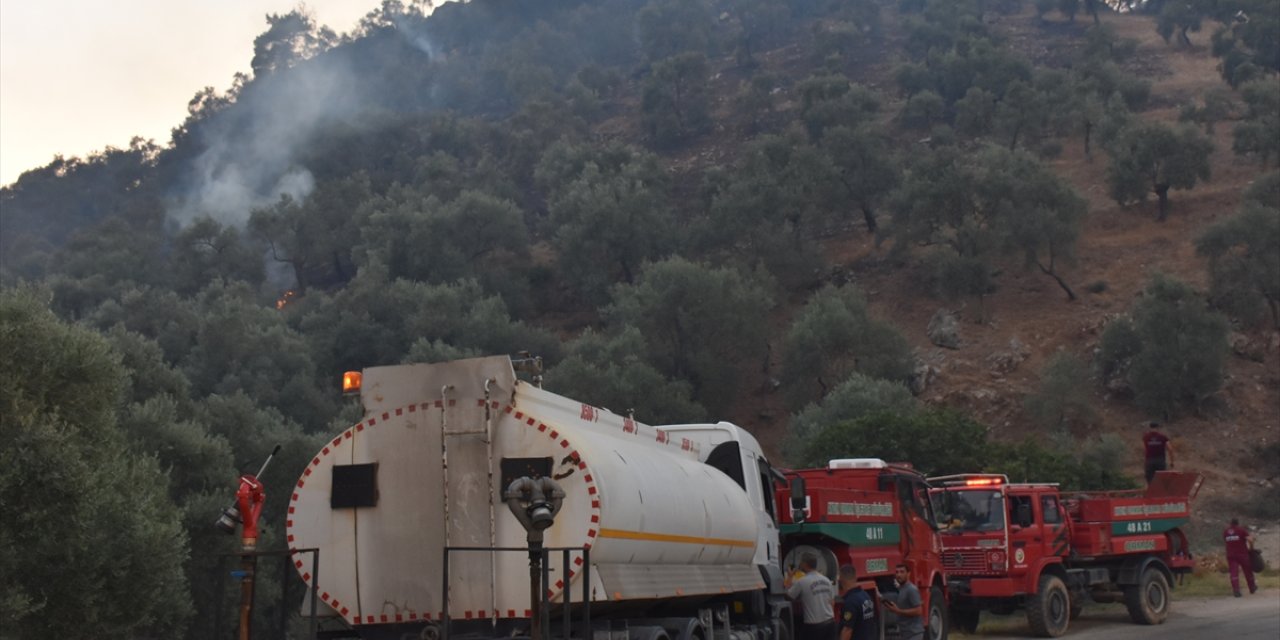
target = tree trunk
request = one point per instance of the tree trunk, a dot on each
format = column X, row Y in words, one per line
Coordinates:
column 1071, row 295
column 337, row 267
column 1275, row 313
column 1088, row 131
column 1162, row 191
column 870, row 217
column 626, row 272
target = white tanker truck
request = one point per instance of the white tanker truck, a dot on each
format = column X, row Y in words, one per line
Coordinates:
column 668, row 532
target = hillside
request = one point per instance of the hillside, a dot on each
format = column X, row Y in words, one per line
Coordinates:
column 1121, row 247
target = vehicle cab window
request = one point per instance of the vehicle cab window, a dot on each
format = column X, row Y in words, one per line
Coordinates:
column 1020, row 512
column 766, row 483
column 1049, row 507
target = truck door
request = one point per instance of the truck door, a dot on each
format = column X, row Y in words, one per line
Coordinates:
column 1025, row 539
column 1057, row 536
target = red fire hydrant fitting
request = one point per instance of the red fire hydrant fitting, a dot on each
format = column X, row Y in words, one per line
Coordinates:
column 249, row 500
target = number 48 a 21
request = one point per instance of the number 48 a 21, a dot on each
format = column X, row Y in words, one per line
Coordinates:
column 1138, row 527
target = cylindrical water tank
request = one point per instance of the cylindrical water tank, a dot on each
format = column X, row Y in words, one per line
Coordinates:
column 427, row 467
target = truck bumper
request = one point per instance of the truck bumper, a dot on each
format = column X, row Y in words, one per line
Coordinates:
column 993, row 588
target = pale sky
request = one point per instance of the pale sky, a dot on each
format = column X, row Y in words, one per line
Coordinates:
column 80, row 75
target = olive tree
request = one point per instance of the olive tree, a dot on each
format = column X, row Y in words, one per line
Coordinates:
column 1244, row 262
column 701, row 324
column 1152, row 157
column 614, row 371
column 975, row 206
column 1064, row 395
column 1258, row 133
column 856, row 396
column 676, row 100
column 1171, row 350
column 85, row 516
column 607, row 219
column 835, row 335
column 933, row 441
column 865, row 167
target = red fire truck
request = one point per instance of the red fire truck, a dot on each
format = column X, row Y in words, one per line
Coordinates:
column 872, row 515
column 1008, row 546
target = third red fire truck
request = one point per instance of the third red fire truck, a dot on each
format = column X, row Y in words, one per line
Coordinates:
column 1008, row 546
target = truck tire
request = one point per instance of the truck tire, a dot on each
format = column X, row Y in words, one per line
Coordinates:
column 1148, row 601
column 966, row 620
column 1049, row 610
column 937, row 621
column 1077, row 607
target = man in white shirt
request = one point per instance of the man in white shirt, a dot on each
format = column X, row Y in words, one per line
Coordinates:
column 815, row 593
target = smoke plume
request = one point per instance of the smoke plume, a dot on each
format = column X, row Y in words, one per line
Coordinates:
column 252, row 150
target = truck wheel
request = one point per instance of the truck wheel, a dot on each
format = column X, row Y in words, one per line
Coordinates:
column 966, row 620
column 1148, row 601
column 1077, row 607
column 937, row 621
column 1049, row 610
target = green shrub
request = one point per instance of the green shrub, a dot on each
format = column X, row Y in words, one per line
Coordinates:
column 934, row 441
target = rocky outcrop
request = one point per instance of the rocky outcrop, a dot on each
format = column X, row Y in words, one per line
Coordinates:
column 944, row 329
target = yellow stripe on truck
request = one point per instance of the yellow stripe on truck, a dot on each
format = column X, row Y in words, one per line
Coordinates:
column 621, row 534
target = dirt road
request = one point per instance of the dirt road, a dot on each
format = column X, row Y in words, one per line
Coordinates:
column 1255, row 617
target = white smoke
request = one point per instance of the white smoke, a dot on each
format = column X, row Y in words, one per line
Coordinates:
column 409, row 30
column 252, row 149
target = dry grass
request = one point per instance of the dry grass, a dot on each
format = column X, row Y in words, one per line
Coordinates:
column 1210, row 583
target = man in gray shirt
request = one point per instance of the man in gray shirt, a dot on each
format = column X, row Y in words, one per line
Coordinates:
column 907, row 606
column 815, row 593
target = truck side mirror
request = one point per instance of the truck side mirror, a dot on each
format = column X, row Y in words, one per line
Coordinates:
column 1024, row 515
column 798, row 499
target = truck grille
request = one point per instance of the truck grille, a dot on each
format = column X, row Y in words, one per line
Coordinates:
column 974, row 560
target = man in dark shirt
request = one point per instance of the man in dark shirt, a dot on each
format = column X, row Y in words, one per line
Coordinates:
column 1238, row 543
column 1159, row 453
column 857, row 611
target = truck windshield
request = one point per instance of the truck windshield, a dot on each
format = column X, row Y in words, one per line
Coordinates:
column 971, row 510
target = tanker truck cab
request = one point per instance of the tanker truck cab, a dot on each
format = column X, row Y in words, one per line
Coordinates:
column 737, row 454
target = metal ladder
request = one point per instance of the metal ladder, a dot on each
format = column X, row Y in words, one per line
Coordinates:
column 487, row 435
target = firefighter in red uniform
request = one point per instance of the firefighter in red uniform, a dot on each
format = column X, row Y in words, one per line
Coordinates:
column 1159, row 452
column 1239, row 542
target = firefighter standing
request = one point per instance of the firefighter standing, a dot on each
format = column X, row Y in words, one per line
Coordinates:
column 1239, row 542
column 816, row 594
column 1158, row 450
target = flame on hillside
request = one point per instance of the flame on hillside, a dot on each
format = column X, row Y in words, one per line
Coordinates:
column 285, row 299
